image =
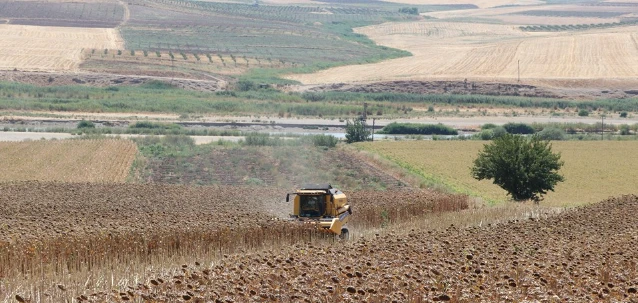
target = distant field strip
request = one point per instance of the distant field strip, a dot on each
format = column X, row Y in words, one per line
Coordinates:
column 479, row 3
column 68, row 161
column 26, row 47
column 444, row 50
column 594, row 170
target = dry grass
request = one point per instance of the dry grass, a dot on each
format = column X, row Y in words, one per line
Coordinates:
column 68, row 161
column 51, row 48
column 491, row 52
column 594, row 170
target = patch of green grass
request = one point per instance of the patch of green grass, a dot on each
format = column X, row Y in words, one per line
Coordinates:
column 593, row 171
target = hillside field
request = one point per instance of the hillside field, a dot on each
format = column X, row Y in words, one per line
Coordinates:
column 593, row 170
column 26, row 47
column 492, row 52
column 67, row 161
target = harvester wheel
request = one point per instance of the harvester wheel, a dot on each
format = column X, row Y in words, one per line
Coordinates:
column 345, row 234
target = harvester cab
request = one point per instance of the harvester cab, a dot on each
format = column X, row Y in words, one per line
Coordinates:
column 323, row 205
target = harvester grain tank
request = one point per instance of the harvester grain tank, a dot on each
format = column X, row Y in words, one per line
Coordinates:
column 323, row 205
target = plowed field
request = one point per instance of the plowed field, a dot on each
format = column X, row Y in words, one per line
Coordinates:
column 583, row 255
column 69, row 161
column 487, row 52
column 51, row 48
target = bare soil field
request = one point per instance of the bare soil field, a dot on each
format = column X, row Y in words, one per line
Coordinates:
column 68, row 161
column 582, row 255
column 51, row 48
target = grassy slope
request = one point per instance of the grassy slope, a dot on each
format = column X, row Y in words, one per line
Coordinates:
column 289, row 165
column 298, row 38
column 593, row 170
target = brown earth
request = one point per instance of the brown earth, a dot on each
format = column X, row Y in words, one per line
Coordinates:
column 104, row 80
column 472, row 88
column 201, row 81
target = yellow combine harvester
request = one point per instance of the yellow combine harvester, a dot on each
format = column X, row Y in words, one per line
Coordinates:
column 323, row 205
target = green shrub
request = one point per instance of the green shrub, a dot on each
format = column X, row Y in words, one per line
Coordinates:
column 395, row 128
column 488, row 126
column 485, row 134
column 583, row 113
column 623, row 114
column 409, row 10
column 492, row 133
column 498, row 132
column 518, row 128
column 324, row 140
column 624, row 130
column 155, row 125
column 86, row 124
column 357, row 131
column 156, row 84
column 312, row 96
column 262, row 140
column 552, row 133
column 246, row 85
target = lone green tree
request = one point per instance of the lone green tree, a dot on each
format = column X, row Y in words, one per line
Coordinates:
column 525, row 168
column 356, row 131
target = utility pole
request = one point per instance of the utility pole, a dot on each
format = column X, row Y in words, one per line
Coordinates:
column 602, row 126
column 373, row 129
column 365, row 111
column 519, row 70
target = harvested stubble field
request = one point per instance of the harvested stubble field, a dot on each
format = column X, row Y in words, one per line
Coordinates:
column 51, row 48
column 91, row 237
column 593, row 170
column 582, row 255
column 67, row 161
column 491, row 52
